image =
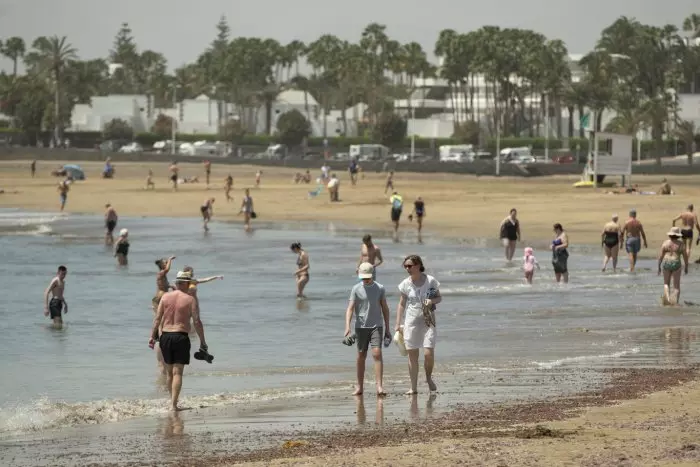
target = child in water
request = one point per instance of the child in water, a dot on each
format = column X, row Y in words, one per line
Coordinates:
column 529, row 263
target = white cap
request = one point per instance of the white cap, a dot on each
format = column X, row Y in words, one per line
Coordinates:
column 123, row 232
column 365, row 271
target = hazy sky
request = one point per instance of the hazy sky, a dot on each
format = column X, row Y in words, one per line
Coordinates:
column 181, row 29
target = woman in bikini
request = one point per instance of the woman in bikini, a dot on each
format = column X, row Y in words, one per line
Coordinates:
column 672, row 257
column 610, row 239
column 302, row 272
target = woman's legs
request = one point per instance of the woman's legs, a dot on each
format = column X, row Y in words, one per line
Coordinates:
column 528, row 276
column 428, row 364
column 301, row 284
column 413, row 370
column 676, row 276
column 614, row 252
column 608, row 254
column 667, row 287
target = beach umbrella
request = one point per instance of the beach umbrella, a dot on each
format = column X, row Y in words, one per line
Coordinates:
column 74, row 171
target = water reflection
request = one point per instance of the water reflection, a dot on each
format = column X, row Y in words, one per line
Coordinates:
column 676, row 344
column 362, row 414
column 429, row 406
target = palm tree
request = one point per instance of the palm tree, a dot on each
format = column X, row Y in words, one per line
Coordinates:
column 14, row 49
column 49, row 58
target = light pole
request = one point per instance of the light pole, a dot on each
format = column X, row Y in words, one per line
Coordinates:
column 413, row 130
column 173, row 123
column 498, row 145
column 546, row 128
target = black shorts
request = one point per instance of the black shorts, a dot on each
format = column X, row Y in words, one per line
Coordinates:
column 175, row 347
column 173, row 178
column 110, row 226
column 395, row 215
column 687, row 233
column 205, row 211
column 55, row 307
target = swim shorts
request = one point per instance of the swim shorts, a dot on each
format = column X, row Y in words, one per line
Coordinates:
column 633, row 245
column 55, row 307
column 369, row 336
column 110, row 226
column 687, row 233
column 395, row 215
column 175, row 347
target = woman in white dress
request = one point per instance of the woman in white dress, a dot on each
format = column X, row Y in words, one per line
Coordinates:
column 420, row 293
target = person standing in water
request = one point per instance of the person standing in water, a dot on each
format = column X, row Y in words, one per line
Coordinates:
column 610, row 239
column 690, row 221
column 63, row 188
column 670, row 255
column 370, row 253
column 510, row 233
column 634, row 231
column 110, row 223
column 175, row 311
column 560, row 254
column 419, row 292
column 529, row 264
column 247, row 208
column 419, row 212
column 302, row 272
column 121, row 248
column 56, row 305
column 228, row 185
column 207, row 210
column 368, row 304
column 396, row 201
column 192, row 289
column 174, row 171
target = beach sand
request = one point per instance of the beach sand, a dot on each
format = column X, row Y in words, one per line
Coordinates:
column 458, row 206
column 659, row 429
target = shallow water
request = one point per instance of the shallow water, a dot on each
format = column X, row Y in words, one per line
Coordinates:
column 497, row 338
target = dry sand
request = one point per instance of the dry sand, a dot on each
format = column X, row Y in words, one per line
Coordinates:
column 661, row 429
column 460, row 206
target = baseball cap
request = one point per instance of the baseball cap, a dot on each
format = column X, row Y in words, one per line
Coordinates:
column 184, row 276
column 365, row 271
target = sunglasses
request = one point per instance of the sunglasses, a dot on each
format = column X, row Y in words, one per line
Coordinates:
column 408, row 266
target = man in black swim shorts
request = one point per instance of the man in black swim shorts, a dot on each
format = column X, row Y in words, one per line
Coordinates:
column 175, row 311
column 689, row 219
column 57, row 305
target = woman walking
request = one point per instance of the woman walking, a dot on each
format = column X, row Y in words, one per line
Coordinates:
column 670, row 256
column 610, row 239
column 419, row 212
column 420, row 293
column 560, row 254
column 509, row 232
column 302, row 272
column 121, row 248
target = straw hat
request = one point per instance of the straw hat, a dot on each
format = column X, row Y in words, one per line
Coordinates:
column 674, row 232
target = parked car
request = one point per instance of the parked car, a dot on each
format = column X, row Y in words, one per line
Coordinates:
column 131, row 148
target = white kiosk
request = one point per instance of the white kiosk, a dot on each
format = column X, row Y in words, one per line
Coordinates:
column 611, row 155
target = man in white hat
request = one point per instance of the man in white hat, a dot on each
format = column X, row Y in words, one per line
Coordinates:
column 175, row 311
column 368, row 303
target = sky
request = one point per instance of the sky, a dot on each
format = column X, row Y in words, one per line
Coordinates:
column 182, row 29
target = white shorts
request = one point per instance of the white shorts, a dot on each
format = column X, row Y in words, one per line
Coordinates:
column 417, row 336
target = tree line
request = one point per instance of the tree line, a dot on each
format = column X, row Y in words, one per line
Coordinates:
column 635, row 70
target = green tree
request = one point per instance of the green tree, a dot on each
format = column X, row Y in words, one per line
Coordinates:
column 117, row 129
column 29, row 110
column 14, row 49
column 292, row 128
column 687, row 132
column 390, row 130
column 233, row 131
column 49, row 59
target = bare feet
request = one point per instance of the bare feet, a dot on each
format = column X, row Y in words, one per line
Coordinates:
column 175, row 408
column 432, row 385
column 411, row 392
column 380, row 391
column 358, row 392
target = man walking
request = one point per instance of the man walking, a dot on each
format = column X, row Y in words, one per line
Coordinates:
column 57, row 304
column 110, row 223
column 368, row 303
column 634, row 231
column 370, row 253
column 396, row 201
column 689, row 220
column 175, row 311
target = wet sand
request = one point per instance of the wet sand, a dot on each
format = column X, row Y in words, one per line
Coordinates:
column 460, row 206
column 586, row 430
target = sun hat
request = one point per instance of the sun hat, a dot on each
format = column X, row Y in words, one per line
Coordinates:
column 365, row 271
column 123, row 232
column 184, row 276
column 674, row 232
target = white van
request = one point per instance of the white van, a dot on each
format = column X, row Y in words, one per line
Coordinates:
column 456, row 153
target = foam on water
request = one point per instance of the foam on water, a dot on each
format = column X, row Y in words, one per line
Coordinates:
column 585, row 358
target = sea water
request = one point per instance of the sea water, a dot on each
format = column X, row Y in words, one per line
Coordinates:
column 274, row 351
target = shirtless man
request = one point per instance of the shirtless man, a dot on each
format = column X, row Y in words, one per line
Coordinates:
column 57, row 304
column 175, row 311
column 110, row 223
column 63, row 189
column 174, row 170
column 207, row 210
column 389, row 182
column 635, row 234
column 370, row 253
column 207, row 171
column 690, row 222
column 228, row 184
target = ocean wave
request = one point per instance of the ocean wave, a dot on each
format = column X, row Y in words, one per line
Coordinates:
column 26, row 223
column 584, row 358
column 45, row 414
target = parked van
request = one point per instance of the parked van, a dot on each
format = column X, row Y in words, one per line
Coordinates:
column 456, row 153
